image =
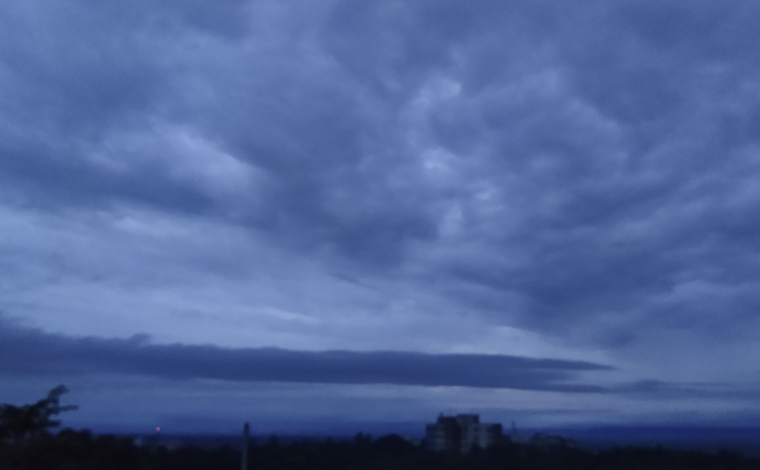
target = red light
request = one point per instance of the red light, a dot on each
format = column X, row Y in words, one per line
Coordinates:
column 158, row 429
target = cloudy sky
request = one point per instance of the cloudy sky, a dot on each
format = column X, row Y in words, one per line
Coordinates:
column 337, row 215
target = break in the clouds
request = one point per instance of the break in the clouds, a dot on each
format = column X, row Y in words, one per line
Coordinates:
column 429, row 179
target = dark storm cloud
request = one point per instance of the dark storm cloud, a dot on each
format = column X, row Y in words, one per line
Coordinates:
column 307, row 127
column 29, row 352
column 69, row 89
column 630, row 170
column 537, row 178
column 589, row 167
column 53, row 182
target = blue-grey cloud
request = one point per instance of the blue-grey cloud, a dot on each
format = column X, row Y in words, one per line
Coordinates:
column 28, row 352
column 586, row 174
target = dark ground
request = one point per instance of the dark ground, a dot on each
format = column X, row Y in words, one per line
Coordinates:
column 70, row 450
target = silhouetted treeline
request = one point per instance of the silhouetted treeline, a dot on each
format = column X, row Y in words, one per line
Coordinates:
column 70, row 450
column 27, row 444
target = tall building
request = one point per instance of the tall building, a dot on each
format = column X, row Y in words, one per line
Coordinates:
column 461, row 432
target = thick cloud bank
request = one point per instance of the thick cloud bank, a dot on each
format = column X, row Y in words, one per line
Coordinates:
column 25, row 352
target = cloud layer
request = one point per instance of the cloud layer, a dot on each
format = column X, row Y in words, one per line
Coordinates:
column 531, row 179
column 32, row 353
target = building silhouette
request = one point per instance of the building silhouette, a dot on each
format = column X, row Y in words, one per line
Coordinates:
column 462, row 432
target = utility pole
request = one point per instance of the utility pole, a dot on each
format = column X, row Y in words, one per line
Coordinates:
column 244, row 460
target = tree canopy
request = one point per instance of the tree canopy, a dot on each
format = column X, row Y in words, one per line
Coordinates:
column 22, row 422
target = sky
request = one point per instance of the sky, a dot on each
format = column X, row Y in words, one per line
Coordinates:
column 345, row 216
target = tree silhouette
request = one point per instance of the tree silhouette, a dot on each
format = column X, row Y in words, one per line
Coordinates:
column 22, row 422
